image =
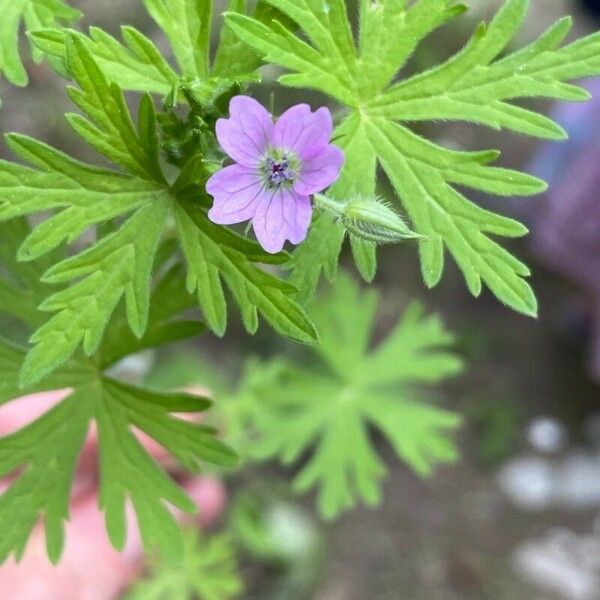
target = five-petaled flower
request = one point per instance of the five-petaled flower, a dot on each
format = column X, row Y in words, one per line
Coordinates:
column 278, row 167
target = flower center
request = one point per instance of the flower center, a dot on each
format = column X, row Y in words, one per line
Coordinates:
column 279, row 170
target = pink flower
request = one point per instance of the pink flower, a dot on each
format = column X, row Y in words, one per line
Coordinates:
column 278, row 167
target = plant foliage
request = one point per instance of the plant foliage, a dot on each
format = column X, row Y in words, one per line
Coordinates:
column 208, row 572
column 42, row 456
column 142, row 202
column 36, row 14
column 479, row 85
column 100, row 262
column 329, row 405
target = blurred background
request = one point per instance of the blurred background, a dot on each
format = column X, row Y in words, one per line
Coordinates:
column 519, row 516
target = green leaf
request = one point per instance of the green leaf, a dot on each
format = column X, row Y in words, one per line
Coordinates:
column 209, row 260
column 43, row 455
column 452, row 221
column 136, row 65
column 49, row 447
column 127, row 471
column 475, row 85
column 110, row 128
column 364, row 253
column 278, row 45
column 82, row 194
column 187, row 24
column 328, row 406
column 119, row 265
column 234, row 57
column 37, row 14
column 208, row 572
column 384, row 55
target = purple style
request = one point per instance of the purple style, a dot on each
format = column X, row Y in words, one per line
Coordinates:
column 278, row 167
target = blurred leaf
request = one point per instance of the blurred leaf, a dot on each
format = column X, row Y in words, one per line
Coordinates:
column 497, row 424
column 208, row 571
column 330, row 406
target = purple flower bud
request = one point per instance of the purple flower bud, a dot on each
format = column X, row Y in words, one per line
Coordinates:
column 278, row 167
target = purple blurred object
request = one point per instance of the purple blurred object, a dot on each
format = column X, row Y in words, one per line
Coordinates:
column 593, row 6
column 566, row 223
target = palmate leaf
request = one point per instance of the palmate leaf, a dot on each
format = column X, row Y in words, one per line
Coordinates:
column 474, row 86
column 120, row 264
column 44, row 455
column 40, row 458
column 208, row 572
column 328, row 408
column 36, row 14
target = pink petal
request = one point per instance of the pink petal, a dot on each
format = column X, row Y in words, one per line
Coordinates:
column 285, row 216
column 236, row 191
column 320, row 167
column 245, row 135
column 298, row 129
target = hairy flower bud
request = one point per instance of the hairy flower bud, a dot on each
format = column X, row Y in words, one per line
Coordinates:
column 370, row 219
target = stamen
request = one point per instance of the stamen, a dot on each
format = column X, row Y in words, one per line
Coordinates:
column 278, row 171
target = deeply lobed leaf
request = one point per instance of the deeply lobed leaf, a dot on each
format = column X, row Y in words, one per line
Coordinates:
column 139, row 203
column 475, row 86
column 36, row 14
column 328, row 407
column 43, row 456
column 208, row 571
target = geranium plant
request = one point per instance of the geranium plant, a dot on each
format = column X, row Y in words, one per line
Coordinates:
column 119, row 256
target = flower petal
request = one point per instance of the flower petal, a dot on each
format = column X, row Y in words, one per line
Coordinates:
column 298, row 129
column 320, row 167
column 237, row 192
column 286, row 216
column 246, row 134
